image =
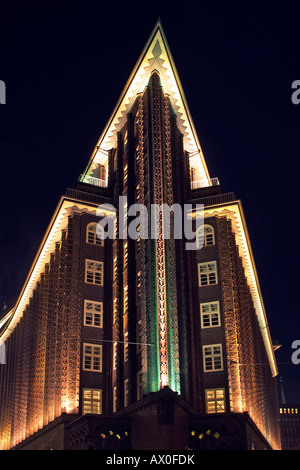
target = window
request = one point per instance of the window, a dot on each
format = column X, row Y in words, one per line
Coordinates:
column 95, row 236
column 138, row 336
column 126, row 392
column 215, row 400
column 125, row 300
column 115, row 399
column 210, row 314
column 126, row 346
column 212, row 358
column 205, row 236
column 115, row 268
column 92, row 357
column 125, row 251
column 207, row 273
column 92, row 401
column 138, row 244
column 125, row 171
column 139, row 383
column 125, row 141
column 115, row 310
column 94, row 272
column 138, row 285
column 115, row 355
column 93, row 313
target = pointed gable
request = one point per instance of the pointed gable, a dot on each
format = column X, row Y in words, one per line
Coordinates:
column 155, row 56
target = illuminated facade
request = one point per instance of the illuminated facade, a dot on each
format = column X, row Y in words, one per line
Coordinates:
column 290, row 426
column 110, row 336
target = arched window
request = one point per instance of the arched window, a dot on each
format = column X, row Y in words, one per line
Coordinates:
column 205, row 236
column 92, row 234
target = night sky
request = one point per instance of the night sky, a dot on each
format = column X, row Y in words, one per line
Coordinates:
column 65, row 64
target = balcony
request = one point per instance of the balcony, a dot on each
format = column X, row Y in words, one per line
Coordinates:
column 205, row 184
column 93, row 181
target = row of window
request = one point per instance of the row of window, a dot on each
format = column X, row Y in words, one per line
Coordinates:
column 205, row 235
column 92, row 356
column 289, row 429
column 93, row 313
column 290, row 419
column 289, row 410
column 290, row 440
column 94, row 272
column 92, row 398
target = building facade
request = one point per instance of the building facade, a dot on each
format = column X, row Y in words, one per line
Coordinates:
column 290, row 426
column 132, row 340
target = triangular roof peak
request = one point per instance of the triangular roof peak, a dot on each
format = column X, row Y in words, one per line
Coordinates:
column 156, row 55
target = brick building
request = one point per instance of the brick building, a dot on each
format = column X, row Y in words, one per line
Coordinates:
column 290, row 426
column 140, row 343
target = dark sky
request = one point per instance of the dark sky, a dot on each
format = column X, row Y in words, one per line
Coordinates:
column 65, row 64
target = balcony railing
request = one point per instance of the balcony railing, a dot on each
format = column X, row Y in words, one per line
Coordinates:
column 205, row 184
column 94, row 181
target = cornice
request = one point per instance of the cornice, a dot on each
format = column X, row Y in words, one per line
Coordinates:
column 65, row 208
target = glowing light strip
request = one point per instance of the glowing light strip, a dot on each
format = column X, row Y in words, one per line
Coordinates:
column 155, row 56
column 53, row 234
column 235, row 213
column 6, row 318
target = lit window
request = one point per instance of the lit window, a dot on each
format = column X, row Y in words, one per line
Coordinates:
column 207, row 273
column 115, row 310
column 115, row 268
column 125, row 299
column 115, row 355
column 94, row 272
column 138, row 285
column 126, row 346
column 92, row 357
column 212, row 358
column 205, row 236
column 125, row 174
column 125, row 141
column 92, row 401
column 210, row 314
column 215, row 400
column 126, row 392
column 94, row 236
column 138, row 244
column 115, row 399
column 93, row 313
